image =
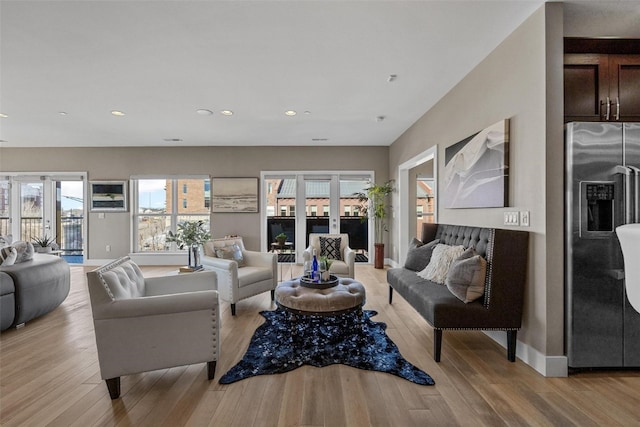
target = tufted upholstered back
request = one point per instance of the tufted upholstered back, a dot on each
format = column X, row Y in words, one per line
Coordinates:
column 122, row 279
column 506, row 252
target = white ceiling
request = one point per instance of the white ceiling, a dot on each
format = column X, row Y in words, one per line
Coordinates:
column 160, row 61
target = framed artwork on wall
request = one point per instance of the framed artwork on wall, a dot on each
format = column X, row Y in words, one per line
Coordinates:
column 108, row 196
column 476, row 171
column 237, row 195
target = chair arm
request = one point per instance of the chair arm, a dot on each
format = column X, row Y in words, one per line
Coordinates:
column 227, row 276
column 259, row 259
column 186, row 282
column 157, row 305
column 349, row 255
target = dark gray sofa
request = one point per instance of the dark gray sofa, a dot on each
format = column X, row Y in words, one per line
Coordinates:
column 506, row 253
column 32, row 288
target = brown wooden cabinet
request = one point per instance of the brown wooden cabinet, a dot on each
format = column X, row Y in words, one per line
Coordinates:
column 601, row 87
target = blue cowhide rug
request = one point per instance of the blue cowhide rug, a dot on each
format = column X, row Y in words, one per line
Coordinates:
column 282, row 344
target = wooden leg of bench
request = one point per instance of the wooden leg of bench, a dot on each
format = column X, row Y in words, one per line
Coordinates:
column 390, row 294
column 511, row 345
column 233, row 309
column 437, row 344
column 273, row 294
column 211, row 370
column 113, row 384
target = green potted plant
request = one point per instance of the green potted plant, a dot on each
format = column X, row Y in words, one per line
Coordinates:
column 281, row 239
column 373, row 205
column 190, row 234
column 43, row 244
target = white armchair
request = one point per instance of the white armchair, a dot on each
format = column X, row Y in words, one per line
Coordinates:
column 143, row 324
column 345, row 267
column 241, row 273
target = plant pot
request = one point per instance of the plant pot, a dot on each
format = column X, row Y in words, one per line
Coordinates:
column 281, row 242
column 378, row 259
column 43, row 249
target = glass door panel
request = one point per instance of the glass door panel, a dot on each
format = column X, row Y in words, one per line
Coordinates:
column 31, row 210
column 317, row 206
column 5, row 211
column 350, row 219
column 281, row 215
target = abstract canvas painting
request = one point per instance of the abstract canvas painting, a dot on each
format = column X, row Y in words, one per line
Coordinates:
column 476, row 171
column 234, row 195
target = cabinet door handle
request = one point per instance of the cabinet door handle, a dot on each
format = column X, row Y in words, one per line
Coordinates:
column 608, row 109
column 617, row 108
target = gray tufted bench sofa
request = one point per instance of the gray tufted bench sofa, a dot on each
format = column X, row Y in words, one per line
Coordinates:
column 506, row 253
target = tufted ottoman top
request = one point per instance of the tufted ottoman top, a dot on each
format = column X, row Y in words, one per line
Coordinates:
column 346, row 295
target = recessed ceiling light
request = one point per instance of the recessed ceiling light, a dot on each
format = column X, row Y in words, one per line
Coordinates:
column 117, row 113
column 204, row 112
column 62, row 113
column 307, row 112
column 4, row 116
column 290, row 113
column 380, row 118
column 392, row 77
column 172, row 140
column 226, row 112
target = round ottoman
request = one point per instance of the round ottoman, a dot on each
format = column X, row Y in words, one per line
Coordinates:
column 347, row 295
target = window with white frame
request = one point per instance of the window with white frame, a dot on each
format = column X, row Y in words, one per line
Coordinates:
column 164, row 202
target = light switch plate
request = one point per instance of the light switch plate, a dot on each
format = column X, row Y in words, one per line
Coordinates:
column 511, row 218
column 524, row 218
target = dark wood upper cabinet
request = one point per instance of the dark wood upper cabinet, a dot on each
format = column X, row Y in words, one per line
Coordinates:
column 601, row 87
column 624, row 85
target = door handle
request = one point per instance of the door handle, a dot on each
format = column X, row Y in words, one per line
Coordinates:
column 617, row 108
column 636, row 202
column 608, row 109
column 627, row 172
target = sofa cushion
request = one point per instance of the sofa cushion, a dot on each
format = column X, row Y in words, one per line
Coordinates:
column 441, row 259
column 8, row 255
column 330, row 247
column 6, row 240
column 419, row 254
column 466, row 276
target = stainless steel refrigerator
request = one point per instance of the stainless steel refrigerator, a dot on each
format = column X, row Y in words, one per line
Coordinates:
column 601, row 192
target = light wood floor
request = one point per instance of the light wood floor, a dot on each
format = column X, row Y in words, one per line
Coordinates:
column 50, row 377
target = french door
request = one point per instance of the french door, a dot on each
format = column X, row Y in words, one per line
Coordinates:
column 51, row 205
column 297, row 204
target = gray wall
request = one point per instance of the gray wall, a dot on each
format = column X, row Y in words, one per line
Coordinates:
column 516, row 81
column 122, row 163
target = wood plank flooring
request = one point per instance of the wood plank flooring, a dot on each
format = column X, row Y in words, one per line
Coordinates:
column 49, row 376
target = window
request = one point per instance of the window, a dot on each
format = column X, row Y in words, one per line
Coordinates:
column 283, row 211
column 314, row 210
column 5, row 199
column 160, row 207
column 420, row 211
column 347, row 210
column 325, row 210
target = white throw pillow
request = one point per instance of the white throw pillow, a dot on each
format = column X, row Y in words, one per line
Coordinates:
column 441, row 259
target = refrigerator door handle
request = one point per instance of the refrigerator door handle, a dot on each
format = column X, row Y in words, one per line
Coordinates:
column 627, row 172
column 617, row 108
column 608, row 109
column 636, row 199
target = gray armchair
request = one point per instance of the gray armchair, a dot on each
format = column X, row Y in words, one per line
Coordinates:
column 345, row 267
column 143, row 324
column 241, row 273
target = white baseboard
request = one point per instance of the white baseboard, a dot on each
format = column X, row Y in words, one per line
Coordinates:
column 548, row 366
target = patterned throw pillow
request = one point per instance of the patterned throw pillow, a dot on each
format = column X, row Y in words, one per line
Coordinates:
column 466, row 276
column 441, row 259
column 330, row 247
column 8, row 255
column 231, row 252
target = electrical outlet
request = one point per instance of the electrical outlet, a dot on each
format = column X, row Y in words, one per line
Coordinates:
column 524, row 218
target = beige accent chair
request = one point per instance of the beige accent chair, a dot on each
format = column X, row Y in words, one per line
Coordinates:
column 143, row 324
column 344, row 268
column 255, row 273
